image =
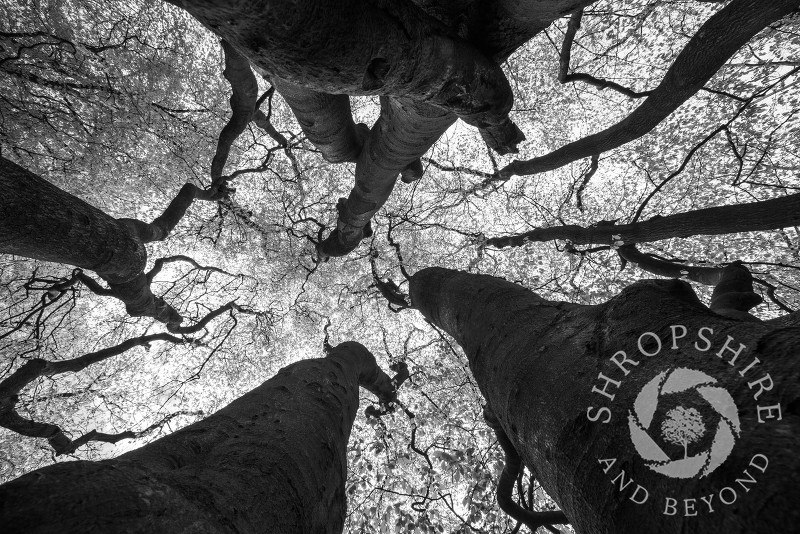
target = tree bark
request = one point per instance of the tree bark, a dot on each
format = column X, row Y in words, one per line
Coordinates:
column 356, row 47
column 705, row 53
column 429, row 60
column 781, row 212
column 40, row 221
column 326, row 119
column 273, row 460
column 404, row 131
column 540, row 365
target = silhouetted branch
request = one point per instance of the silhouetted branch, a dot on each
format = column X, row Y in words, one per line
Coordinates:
column 210, row 316
column 388, row 288
column 563, row 64
column 733, row 294
column 159, row 264
column 585, row 181
column 243, row 104
column 396, row 247
column 706, row 52
column 709, row 276
column 505, row 485
column 11, row 387
column 782, row 212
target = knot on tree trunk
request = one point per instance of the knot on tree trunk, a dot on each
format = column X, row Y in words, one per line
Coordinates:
column 733, row 295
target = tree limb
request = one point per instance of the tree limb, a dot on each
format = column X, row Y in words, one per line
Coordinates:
column 210, row 316
column 505, row 485
column 770, row 214
column 262, row 120
column 705, row 53
column 11, row 387
column 159, row 264
column 563, row 63
column 403, row 133
column 243, row 105
column 733, row 294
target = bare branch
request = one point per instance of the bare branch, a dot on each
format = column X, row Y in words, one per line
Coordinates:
column 159, row 264
column 563, row 64
column 705, row 53
column 11, row 387
column 770, row 214
column 505, row 485
column 243, row 105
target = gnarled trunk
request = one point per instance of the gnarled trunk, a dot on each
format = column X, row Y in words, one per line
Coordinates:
column 431, row 61
column 586, row 395
column 40, row 221
column 273, row 460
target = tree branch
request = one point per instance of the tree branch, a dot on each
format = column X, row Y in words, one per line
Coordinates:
column 11, row 387
column 403, row 133
column 210, row 316
column 563, row 64
column 705, row 53
column 770, row 214
column 262, row 120
column 733, row 294
column 709, row 276
column 505, row 485
column 243, row 105
column 159, row 264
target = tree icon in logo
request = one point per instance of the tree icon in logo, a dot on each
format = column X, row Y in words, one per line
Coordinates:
column 682, row 425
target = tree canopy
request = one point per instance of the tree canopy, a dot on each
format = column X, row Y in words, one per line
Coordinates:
column 599, row 143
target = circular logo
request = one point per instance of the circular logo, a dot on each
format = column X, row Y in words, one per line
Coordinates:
column 682, row 425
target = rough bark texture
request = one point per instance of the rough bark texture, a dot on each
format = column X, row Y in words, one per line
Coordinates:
column 537, row 362
column 40, row 221
column 430, row 61
column 781, row 212
column 357, row 47
column 326, row 119
column 273, row 460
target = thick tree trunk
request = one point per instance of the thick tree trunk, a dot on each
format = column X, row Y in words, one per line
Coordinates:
column 431, row 61
column 326, row 119
column 357, row 47
column 43, row 222
column 273, row 460
column 40, row 221
column 579, row 411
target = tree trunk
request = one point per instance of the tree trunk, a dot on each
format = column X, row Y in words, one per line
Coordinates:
column 44, row 222
column 40, row 221
column 404, row 131
column 357, row 47
column 273, row 460
column 579, row 411
column 430, row 61
column 326, row 119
